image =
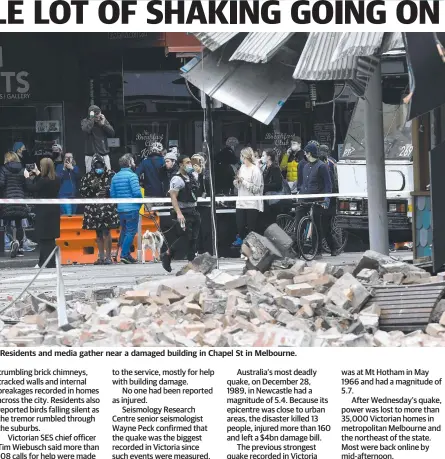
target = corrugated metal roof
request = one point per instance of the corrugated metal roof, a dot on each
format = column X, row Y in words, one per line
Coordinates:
column 315, row 62
column 393, row 41
column 406, row 307
column 367, row 44
column 258, row 91
column 358, row 44
column 260, row 47
column 214, row 40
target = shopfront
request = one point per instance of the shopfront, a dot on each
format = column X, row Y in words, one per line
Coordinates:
column 48, row 81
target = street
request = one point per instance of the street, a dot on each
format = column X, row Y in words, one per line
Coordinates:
column 77, row 278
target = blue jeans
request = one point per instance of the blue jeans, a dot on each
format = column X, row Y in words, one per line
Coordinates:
column 129, row 228
column 68, row 209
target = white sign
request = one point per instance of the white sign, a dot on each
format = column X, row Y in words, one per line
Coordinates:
column 114, row 143
column 47, row 126
column 13, row 85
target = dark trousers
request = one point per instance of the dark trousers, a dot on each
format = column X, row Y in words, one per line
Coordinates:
column 191, row 233
column 205, row 232
column 46, row 247
column 270, row 214
column 19, row 230
column 246, row 221
column 322, row 219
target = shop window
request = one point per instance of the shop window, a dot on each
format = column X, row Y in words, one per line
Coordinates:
column 156, row 92
column 141, row 135
column 38, row 126
column 277, row 134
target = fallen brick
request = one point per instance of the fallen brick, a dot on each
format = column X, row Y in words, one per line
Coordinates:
column 316, row 299
column 369, row 276
column 290, row 303
column 348, row 293
column 299, row 290
column 393, row 278
column 434, row 329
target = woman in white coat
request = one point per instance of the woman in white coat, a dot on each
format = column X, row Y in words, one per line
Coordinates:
column 249, row 182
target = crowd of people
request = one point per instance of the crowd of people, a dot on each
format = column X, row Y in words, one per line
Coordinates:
column 161, row 173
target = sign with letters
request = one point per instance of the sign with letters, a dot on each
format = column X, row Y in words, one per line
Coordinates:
column 14, row 85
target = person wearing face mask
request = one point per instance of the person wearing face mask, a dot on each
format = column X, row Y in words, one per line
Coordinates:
column 249, row 182
column 202, row 176
column 273, row 184
column 289, row 162
column 169, row 169
column 183, row 193
column 69, row 175
column 99, row 217
column 125, row 184
column 317, row 180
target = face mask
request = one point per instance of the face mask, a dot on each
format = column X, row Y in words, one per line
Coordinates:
column 99, row 171
column 311, row 159
column 241, row 161
column 189, row 169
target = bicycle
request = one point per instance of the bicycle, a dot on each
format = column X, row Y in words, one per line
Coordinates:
column 288, row 224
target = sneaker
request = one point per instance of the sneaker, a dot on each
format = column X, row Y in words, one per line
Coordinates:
column 14, row 249
column 108, row 261
column 20, row 253
column 128, row 260
column 166, row 260
column 238, row 242
column 28, row 248
column 99, row 262
column 30, row 243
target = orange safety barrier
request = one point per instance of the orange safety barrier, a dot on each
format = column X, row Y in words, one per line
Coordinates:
column 78, row 246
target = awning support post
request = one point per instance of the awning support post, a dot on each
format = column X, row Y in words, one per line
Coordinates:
column 375, row 165
column 208, row 139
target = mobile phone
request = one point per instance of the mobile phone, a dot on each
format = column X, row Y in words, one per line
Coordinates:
column 30, row 167
column 92, row 115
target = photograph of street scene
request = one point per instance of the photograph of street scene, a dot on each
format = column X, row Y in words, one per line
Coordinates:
column 222, row 189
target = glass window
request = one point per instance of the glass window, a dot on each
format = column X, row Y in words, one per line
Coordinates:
column 156, row 92
column 38, row 126
column 397, row 132
column 277, row 134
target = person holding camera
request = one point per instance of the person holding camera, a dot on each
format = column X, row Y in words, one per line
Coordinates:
column 69, row 175
column 100, row 217
column 45, row 184
column 97, row 130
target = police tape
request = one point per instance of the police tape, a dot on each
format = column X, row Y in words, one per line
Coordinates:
column 219, row 199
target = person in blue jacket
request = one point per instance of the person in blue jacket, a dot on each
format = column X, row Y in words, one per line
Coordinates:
column 151, row 171
column 125, row 184
column 69, row 175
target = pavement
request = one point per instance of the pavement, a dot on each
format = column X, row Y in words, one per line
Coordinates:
column 16, row 277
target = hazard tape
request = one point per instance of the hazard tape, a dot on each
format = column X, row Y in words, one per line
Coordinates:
column 141, row 201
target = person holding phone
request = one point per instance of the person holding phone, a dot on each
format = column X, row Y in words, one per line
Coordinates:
column 97, row 131
column 69, row 175
column 45, row 184
column 13, row 186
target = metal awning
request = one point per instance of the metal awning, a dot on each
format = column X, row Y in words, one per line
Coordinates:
column 349, row 57
column 256, row 90
column 214, row 40
column 316, row 62
column 260, row 47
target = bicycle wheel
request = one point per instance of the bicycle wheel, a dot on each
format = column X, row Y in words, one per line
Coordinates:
column 287, row 224
column 339, row 235
column 307, row 239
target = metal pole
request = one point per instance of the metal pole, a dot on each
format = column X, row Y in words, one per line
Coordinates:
column 375, row 165
column 211, row 155
column 139, row 252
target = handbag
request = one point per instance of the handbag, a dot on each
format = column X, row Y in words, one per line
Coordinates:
column 285, row 190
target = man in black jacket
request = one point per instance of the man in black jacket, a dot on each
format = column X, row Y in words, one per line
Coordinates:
column 317, row 180
column 97, row 130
